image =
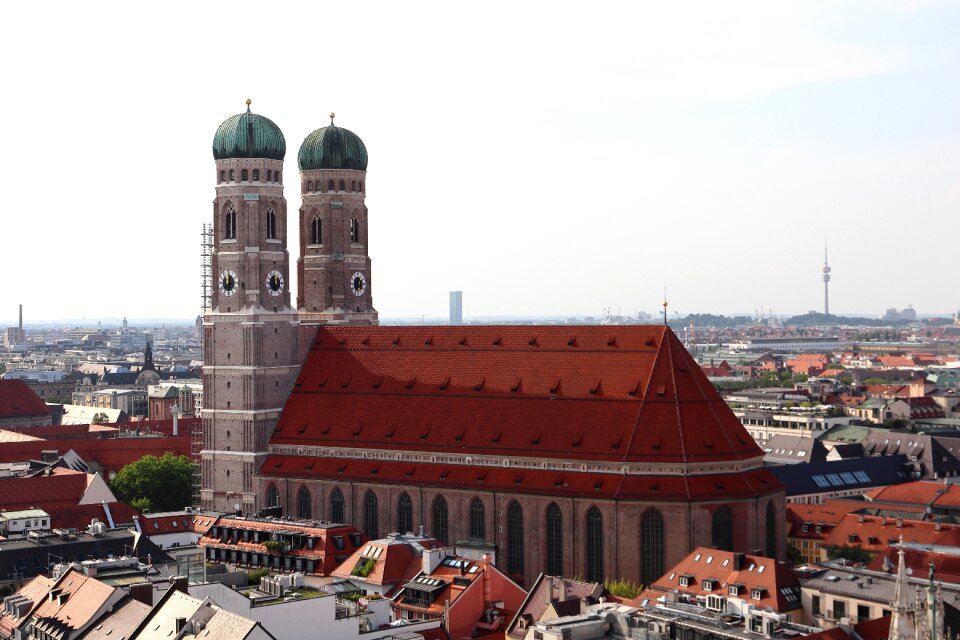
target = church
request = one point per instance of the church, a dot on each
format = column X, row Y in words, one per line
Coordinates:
column 594, row 451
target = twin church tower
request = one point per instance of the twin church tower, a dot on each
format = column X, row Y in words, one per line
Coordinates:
column 254, row 339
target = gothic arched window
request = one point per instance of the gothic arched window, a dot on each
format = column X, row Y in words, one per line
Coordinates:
column 244, row 175
column 309, row 185
column 256, row 175
column 440, row 525
column 273, row 496
column 354, row 230
column 353, row 185
column 404, row 513
column 594, row 545
column 269, row 175
column 651, row 546
column 514, row 539
column 303, row 503
column 554, row 540
column 230, row 224
column 223, row 176
column 336, row 506
column 478, row 525
column 271, row 224
column 330, row 185
column 316, row 231
column 231, row 175
column 360, row 186
column 343, row 185
column 771, row 531
column 722, row 537
column 370, row 525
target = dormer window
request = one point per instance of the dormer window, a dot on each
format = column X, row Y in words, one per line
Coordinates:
column 804, row 528
column 686, row 580
column 818, row 529
column 733, row 590
column 758, row 593
column 709, row 584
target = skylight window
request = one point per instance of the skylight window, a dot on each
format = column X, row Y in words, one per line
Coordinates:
column 821, row 482
column 709, row 559
column 861, row 476
column 762, row 567
column 697, row 559
column 726, row 562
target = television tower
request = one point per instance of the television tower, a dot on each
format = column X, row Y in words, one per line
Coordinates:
column 826, row 280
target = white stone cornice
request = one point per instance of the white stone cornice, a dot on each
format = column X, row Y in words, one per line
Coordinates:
column 521, row 462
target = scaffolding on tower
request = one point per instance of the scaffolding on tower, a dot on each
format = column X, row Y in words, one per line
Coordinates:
column 206, row 268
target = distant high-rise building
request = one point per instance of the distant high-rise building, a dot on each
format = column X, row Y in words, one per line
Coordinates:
column 826, row 281
column 456, row 307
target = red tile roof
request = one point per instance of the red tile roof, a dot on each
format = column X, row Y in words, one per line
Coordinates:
column 946, row 568
column 64, row 488
column 876, row 533
column 629, row 393
column 920, row 493
column 35, row 590
column 84, row 598
column 17, row 399
column 526, row 481
column 395, row 564
column 774, row 579
column 823, row 516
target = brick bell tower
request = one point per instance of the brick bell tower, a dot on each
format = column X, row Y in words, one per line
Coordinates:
column 251, row 356
column 334, row 284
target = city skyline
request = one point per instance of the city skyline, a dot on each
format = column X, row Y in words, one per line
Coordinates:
column 584, row 165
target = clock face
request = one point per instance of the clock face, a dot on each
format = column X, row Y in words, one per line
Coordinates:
column 229, row 283
column 358, row 284
column 275, row 283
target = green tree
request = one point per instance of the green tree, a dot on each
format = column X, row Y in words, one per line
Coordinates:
column 158, row 484
column 793, row 555
column 100, row 418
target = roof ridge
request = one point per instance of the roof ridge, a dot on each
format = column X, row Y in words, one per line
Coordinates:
column 643, row 400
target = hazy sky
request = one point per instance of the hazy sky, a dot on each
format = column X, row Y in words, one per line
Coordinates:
column 545, row 158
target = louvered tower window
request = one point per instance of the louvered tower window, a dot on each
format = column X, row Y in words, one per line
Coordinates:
column 440, row 525
column 271, row 224
column 316, row 231
column 515, row 539
column 554, row 540
column 651, row 546
column 594, row 545
column 722, row 529
column 303, row 503
column 371, row 526
column 478, row 525
column 404, row 513
column 336, row 506
column 230, row 224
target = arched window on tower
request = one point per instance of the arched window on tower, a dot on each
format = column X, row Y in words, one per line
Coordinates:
column 343, row 185
column 271, row 225
column 230, row 224
column 514, row 539
column 316, row 230
column 440, row 525
column 353, row 185
column 554, row 540
column 231, row 175
column 354, row 230
column 651, row 546
column 269, row 175
column 360, row 186
column 244, row 175
column 273, row 496
column 594, row 545
column 256, row 175
column 404, row 513
column 371, row 526
column 478, row 525
column 303, row 503
column 309, row 185
column 336, row 506
column 330, row 186
column 223, row 176
column 771, row 531
column 722, row 534
column 277, row 175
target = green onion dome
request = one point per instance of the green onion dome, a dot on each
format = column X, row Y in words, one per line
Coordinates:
column 249, row 135
column 332, row 148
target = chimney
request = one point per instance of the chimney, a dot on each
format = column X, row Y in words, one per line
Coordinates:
column 562, row 596
column 431, row 559
column 936, row 526
column 142, row 592
column 899, row 523
column 860, row 518
column 180, row 624
column 179, row 583
column 738, row 559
